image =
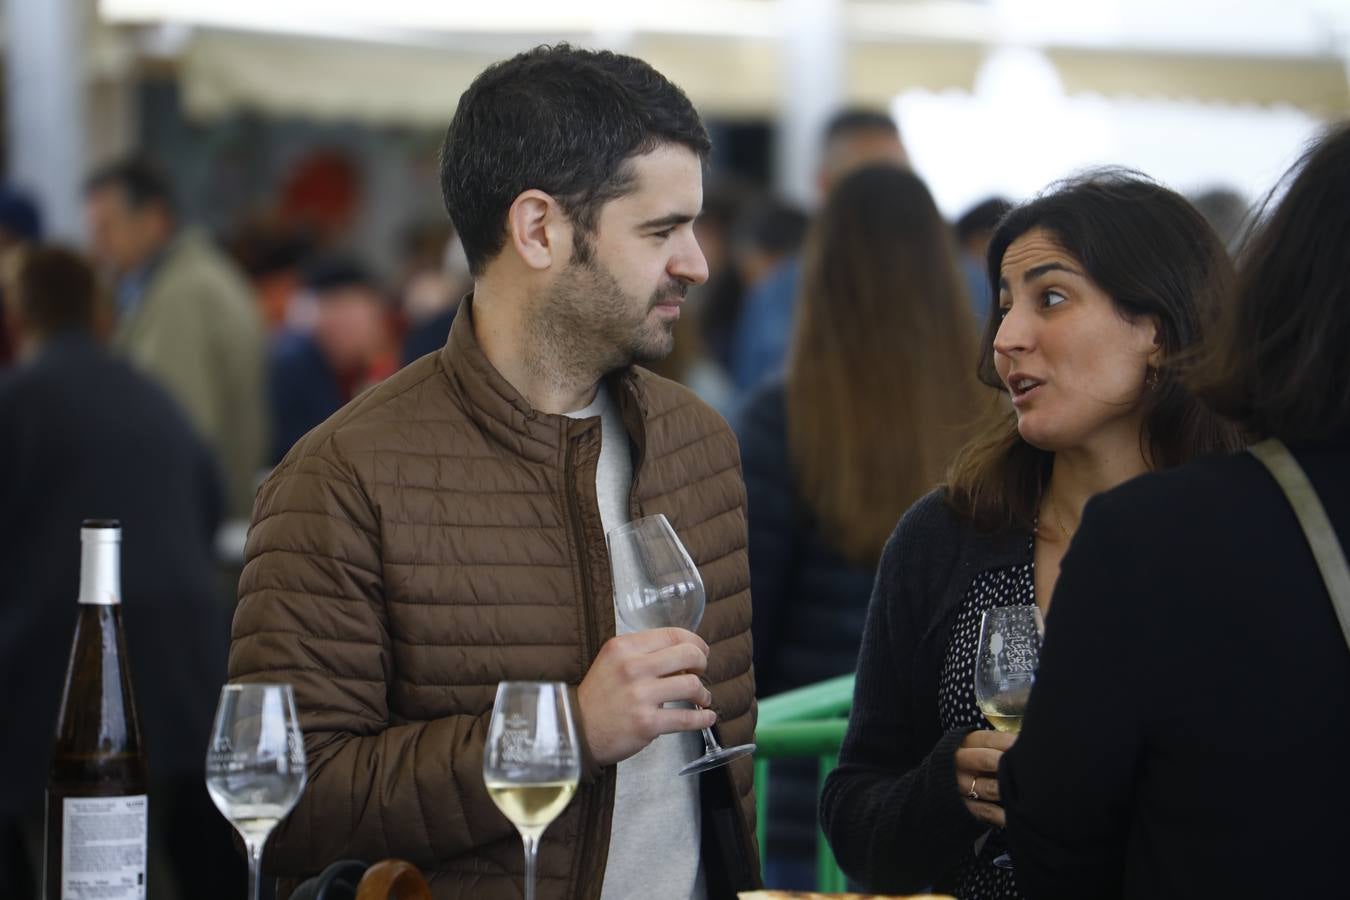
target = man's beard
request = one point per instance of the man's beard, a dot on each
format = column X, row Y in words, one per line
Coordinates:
column 586, row 326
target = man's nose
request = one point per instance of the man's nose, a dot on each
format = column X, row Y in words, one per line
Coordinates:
column 689, row 264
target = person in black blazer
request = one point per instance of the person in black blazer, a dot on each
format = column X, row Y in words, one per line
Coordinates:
column 1187, row 731
column 87, row 436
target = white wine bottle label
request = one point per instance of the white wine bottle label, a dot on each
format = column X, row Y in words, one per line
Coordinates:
column 103, row 848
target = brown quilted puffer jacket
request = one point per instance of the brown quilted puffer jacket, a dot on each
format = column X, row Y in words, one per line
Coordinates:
column 436, row 536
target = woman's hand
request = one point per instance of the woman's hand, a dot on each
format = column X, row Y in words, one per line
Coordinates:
column 977, row 774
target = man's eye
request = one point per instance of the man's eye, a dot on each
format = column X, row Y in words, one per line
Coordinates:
column 1053, row 298
column 664, row 234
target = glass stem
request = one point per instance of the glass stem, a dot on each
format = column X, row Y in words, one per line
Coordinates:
column 710, row 744
column 531, row 842
column 255, row 848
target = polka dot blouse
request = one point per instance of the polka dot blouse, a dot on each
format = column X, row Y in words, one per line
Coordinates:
column 979, row 878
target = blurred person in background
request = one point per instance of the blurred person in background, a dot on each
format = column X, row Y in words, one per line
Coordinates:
column 1102, row 283
column 185, row 315
column 766, row 232
column 88, row 436
column 321, row 196
column 1191, row 621
column 879, row 395
column 20, row 224
column 434, row 281
column 853, row 138
column 974, row 229
column 1227, row 212
column 273, row 257
column 20, row 221
column 719, row 299
column 351, row 344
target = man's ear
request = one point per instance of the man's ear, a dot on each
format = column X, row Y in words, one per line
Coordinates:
column 538, row 230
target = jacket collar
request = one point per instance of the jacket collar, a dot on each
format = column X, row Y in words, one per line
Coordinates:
column 504, row 413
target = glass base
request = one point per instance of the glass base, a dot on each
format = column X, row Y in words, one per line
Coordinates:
column 1003, row 861
column 717, row 758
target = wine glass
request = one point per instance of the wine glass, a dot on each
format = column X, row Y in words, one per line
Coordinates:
column 1005, row 670
column 657, row 585
column 532, row 763
column 255, row 765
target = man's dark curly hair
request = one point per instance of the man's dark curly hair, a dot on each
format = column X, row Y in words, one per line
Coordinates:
column 561, row 120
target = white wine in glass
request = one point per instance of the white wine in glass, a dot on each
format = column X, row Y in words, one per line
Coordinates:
column 255, row 765
column 657, row 585
column 1005, row 664
column 532, row 805
column 532, row 762
column 1005, row 711
column 1005, row 670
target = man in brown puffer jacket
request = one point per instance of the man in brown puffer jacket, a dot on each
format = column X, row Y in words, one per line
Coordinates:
column 446, row 530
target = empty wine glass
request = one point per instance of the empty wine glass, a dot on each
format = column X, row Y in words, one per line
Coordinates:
column 657, row 585
column 531, row 763
column 1005, row 670
column 255, row 765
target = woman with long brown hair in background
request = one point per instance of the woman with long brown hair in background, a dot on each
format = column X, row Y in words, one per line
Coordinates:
column 878, row 396
column 1102, row 283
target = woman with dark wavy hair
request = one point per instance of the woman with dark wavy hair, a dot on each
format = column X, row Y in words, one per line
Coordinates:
column 1189, row 717
column 1102, row 283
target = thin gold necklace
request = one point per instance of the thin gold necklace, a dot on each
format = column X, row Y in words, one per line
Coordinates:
column 1054, row 511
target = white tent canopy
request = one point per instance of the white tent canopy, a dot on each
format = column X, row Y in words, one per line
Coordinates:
column 408, row 61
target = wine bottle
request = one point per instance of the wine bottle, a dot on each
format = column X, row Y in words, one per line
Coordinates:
column 97, row 806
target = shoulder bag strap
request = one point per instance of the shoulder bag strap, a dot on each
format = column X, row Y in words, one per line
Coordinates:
column 1313, row 518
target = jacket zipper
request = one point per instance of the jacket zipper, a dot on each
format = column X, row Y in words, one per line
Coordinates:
column 578, row 537
column 593, row 811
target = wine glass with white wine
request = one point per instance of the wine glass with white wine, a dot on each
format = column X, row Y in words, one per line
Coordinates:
column 531, row 764
column 255, row 765
column 1005, row 670
column 657, row 585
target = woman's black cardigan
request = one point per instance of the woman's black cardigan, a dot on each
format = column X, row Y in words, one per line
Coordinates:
column 891, row 810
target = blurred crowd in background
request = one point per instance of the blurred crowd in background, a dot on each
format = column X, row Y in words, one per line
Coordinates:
column 263, row 328
column 252, row 336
